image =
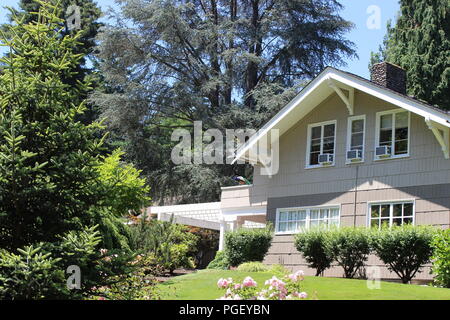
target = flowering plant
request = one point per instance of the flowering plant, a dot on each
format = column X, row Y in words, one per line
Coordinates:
column 287, row 288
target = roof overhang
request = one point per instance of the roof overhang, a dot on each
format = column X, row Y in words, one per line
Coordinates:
column 329, row 81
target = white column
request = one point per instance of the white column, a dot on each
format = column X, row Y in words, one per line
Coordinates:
column 223, row 229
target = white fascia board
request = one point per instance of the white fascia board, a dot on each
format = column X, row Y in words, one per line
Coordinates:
column 245, row 211
column 186, row 207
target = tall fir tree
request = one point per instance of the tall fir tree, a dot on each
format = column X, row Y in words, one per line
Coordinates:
column 48, row 159
column 86, row 24
column 420, row 43
column 231, row 64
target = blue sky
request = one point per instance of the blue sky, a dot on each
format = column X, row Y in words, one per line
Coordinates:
column 366, row 38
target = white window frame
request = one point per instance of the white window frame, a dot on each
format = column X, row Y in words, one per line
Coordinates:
column 308, row 144
column 391, row 209
column 349, row 137
column 308, row 216
column 377, row 134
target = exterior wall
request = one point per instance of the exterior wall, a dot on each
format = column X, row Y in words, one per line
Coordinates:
column 426, row 164
column 424, row 176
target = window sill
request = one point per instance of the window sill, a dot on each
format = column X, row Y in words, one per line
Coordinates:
column 320, row 166
column 348, row 162
column 403, row 156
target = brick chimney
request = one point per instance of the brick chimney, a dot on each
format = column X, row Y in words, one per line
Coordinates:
column 390, row 76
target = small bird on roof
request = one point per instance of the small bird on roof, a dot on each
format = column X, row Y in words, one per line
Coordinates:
column 241, row 180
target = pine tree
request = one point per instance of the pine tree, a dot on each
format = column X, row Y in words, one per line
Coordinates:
column 420, row 43
column 47, row 158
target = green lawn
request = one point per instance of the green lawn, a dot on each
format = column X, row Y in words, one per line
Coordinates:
column 202, row 286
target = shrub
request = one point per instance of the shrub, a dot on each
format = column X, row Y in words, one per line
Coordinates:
column 245, row 245
column 220, row 262
column 441, row 258
column 404, row 249
column 253, row 267
column 350, row 248
column 312, row 245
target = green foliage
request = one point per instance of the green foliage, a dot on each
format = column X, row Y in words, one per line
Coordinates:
column 169, row 245
column 52, row 196
column 441, row 258
column 404, row 249
column 350, row 248
column 244, row 59
column 245, row 245
column 89, row 27
column 419, row 42
column 30, row 274
column 312, row 244
column 47, row 158
column 220, row 262
column 254, row 266
column 38, row 271
column 124, row 188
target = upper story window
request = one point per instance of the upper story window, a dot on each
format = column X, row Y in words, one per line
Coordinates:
column 321, row 144
column 297, row 219
column 355, row 138
column 392, row 135
column 389, row 214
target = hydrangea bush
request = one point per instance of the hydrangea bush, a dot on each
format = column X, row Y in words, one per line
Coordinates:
column 287, row 288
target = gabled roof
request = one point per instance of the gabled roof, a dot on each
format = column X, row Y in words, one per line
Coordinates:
column 322, row 87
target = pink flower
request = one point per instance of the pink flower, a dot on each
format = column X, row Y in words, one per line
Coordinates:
column 303, row 295
column 296, row 276
column 237, row 286
column 249, row 282
column 223, row 283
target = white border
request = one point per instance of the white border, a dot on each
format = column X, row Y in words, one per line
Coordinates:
column 391, row 202
column 308, row 144
column 349, row 138
column 377, row 134
column 277, row 214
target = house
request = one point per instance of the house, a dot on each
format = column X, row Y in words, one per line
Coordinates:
column 352, row 152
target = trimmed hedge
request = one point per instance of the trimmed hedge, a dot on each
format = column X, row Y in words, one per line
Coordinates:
column 350, row 248
column 247, row 245
column 404, row 249
column 441, row 258
column 313, row 246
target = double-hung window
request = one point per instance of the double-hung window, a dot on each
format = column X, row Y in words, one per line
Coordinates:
column 355, row 138
column 321, row 140
column 294, row 220
column 389, row 214
column 393, row 130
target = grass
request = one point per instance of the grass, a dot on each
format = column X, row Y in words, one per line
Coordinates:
column 202, row 286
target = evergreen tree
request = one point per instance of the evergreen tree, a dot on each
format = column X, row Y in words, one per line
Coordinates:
column 420, row 43
column 231, row 64
column 48, row 159
column 86, row 25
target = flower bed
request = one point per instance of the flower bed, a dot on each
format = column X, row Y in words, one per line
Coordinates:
column 287, row 288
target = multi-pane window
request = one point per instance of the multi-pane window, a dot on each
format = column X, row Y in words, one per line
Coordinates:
column 393, row 131
column 321, row 141
column 295, row 220
column 389, row 214
column 356, row 133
